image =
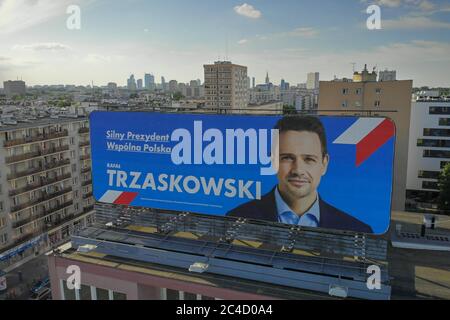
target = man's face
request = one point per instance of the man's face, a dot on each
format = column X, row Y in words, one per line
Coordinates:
column 302, row 164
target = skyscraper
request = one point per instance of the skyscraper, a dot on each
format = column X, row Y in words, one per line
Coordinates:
column 149, row 81
column 131, row 83
column 312, row 82
column 140, row 84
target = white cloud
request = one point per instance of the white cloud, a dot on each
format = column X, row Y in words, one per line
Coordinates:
column 243, row 41
column 43, row 46
column 248, row 11
column 413, row 22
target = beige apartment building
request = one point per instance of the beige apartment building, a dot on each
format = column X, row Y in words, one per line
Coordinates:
column 226, row 86
column 45, row 185
column 366, row 96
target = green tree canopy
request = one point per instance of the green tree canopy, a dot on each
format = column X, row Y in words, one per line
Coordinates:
column 444, row 186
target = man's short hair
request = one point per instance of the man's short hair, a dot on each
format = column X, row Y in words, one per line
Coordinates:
column 304, row 123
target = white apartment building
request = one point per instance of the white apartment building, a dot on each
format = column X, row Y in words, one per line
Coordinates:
column 312, row 81
column 226, row 86
column 429, row 147
column 45, row 185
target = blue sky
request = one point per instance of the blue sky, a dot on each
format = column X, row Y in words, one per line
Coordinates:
column 174, row 38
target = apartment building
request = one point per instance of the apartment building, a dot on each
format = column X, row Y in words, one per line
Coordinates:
column 429, row 147
column 226, row 86
column 365, row 96
column 45, row 185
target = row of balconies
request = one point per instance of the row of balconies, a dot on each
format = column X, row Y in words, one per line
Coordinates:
column 42, row 198
column 35, row 154
column 85, row 170
column 42, row 215
column 54, row 224
column 38, row 138
column 44, row 167
column 42, row 183
column 83, row 130
column 87, row 195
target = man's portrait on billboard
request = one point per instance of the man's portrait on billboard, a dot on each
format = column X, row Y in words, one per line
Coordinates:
column 303, row 163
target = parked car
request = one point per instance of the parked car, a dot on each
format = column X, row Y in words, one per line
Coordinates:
column 44, row 283
column 43, row 294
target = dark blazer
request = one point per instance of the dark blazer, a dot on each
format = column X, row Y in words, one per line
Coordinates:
column 330, row 217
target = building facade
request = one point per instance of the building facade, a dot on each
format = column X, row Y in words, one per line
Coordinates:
column 312, row 82
column 13, row 88
column 45, row 186
column 373, row 98
column 429, row 148
column 226, row 86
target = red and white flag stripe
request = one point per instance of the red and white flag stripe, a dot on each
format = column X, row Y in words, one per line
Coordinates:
column 118, row 197
column 368, row 134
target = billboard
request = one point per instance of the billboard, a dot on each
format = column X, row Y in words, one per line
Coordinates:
column 325, row 172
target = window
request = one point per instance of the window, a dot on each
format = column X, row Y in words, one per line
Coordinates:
column 344, row 91
column 444, row 121
column 436, row 132
column 68, row 294
column 433, row 143
column 430, row 185
column 172, row 294
column 429, row 174
column 3, row 238
column 190, row 296
column 436, row 154
column 344, row 104
column 2, row 222
column 440, row 110
column 358, row 91
column 357, row 104
column 102, row 294
column 377, row 103
column 119, row 296
column 378, row 90
column 85, row 292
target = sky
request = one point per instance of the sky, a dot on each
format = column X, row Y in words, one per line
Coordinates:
column 175, row 38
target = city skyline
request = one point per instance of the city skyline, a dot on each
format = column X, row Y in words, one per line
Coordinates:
column 175, row 39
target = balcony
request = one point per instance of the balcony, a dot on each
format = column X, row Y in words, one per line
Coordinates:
column 45, row 213
column 43, row 198
column 85, row 157
column 87, row 195
column 38, row 138
column 85, row 170
column 84, row 143
column 86, row 183
column 44, row 182
column 83, row 130
column 31, row 171
column 35, row 154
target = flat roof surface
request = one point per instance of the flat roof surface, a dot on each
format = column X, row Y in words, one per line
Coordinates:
column 40, row 122
column 419, row 274
column 208, row 279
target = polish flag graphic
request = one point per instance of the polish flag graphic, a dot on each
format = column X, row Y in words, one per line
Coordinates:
column 368, row 134
column 118, row 197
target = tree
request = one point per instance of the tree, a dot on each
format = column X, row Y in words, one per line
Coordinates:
column 444, row 186
column 288, row 109
column 177, row 96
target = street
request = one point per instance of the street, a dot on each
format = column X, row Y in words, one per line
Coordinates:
column 31, row 272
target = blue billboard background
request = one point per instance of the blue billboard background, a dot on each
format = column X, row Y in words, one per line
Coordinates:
column 363, row 191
